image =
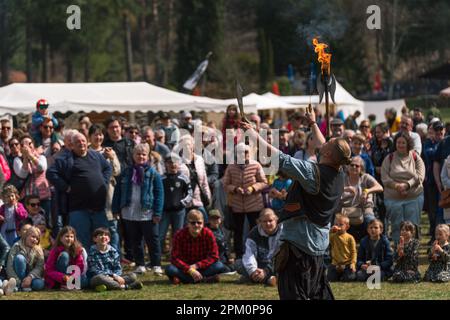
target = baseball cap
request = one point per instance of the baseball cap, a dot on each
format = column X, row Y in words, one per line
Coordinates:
column 164, row 115
column 214, row 213
column 438, row 125
column 42, row 104
column 186, row 114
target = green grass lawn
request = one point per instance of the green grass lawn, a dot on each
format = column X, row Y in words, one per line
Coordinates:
column 159, row 288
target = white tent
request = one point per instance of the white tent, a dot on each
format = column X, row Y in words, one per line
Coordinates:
column 98, row 97
column 262, row 102
column 345, row 102
column 445, row 92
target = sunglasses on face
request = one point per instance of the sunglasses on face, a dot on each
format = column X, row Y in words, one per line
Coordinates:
column 364, row 126
column 6, row 128
column 47, row 127
column 13, row 144
column 196, row 223
column 43, row 106
column 34, row 204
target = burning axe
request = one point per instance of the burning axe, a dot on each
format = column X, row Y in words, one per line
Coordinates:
column 326, row 83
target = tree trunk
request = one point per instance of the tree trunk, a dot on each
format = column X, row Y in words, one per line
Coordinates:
column 3, row 46
column 143, row 39
column 393, row 56
column 52, row 64
column 69, row 70
column 128, row 48
column 28, row 48
column 44, row 57
column 87, row 67
column 156, row 31
column 168, row 43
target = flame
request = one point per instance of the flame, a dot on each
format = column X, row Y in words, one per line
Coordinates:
column 323, row 57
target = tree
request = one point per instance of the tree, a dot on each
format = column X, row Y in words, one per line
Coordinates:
column 199, row 31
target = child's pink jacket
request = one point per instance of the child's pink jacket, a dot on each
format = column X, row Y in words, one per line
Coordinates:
column 53, row 276
column 21, row 214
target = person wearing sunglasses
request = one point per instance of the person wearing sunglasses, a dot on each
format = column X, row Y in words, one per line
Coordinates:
column 195, row 255
column 5, row 134
column 357, row 200
column 46, row 137
column 33, row 206
column 40, row 115
column 32, row 167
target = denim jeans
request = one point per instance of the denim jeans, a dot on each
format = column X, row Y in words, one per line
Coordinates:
column 21, row 269
column 173, row 271
column 150, row 232
column 85, row 222
column 62, row 263
column 346, row 275
column 115, row 237
column 403, row 210
column 173, row 218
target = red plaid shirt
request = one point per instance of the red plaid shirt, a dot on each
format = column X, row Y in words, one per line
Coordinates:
column 187, row 250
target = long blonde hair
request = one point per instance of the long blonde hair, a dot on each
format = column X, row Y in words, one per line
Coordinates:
column 37, row 248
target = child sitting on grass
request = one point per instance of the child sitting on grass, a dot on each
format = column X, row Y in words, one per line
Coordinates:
column 26, row 261
column 343, row 251
column 374, row 249
column 66, row 252
column 6, row 286
column 105, row 271
column 256, row 264
column 438, row 271
column 407, row 255
column 214, row 224
column 24, row 225
column 46, row 237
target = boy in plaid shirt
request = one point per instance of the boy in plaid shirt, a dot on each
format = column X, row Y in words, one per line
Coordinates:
column 105, row 271
column 195, row 255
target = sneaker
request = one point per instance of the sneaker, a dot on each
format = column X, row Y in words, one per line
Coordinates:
column 127, row 263
column 157, row 270
column 242, row 280
column 10, row 286
column 272, row 281
column 26, row 289
column 175, row 280
column 140, row 270
column 1, row 292
column 101, row 288
column 231, row 273
column 212, row 279
column 137, row 285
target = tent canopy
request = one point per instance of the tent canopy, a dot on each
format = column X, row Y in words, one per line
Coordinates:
column 263, row 102
column 98, row 97
column 345, row 102
column 445, row 92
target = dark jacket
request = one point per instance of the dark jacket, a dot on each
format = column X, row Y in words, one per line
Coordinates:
column 383, row 254
column 60, row 172
column 221, row 244
column 123, row 149
column 152, row 191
